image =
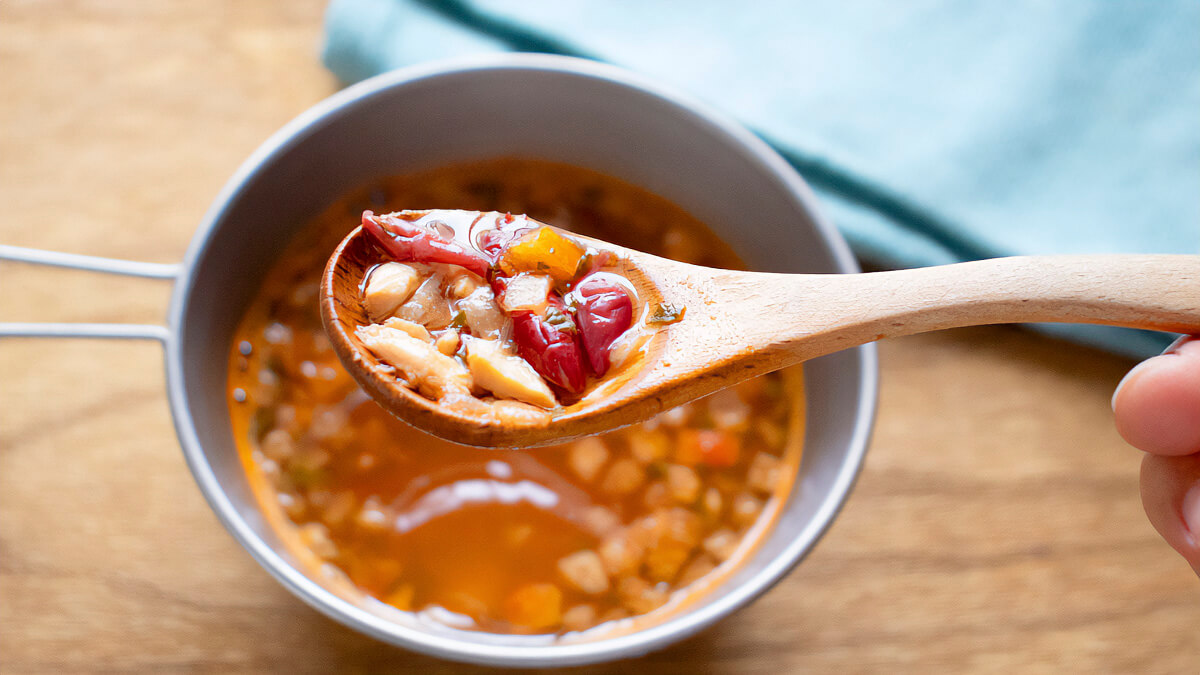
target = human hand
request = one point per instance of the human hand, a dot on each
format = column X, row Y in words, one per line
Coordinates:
column 1157, row 409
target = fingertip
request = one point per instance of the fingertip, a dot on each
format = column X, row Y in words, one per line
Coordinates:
column 1157, row 405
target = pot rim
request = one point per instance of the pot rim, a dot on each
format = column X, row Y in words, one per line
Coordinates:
column 624, row 645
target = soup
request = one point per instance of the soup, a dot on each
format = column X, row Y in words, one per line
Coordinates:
column 492, row 313
column 577, row 537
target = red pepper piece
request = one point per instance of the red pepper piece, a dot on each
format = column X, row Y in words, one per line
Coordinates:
column 407, row 242
column 604, row 311
column 548, row 342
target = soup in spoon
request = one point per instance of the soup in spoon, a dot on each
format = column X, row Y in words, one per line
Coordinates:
column 496, row 315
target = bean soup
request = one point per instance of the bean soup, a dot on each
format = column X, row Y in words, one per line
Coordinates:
column 590, row 535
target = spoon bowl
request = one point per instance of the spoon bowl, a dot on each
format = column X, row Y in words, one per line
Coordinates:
column 739, row 325
column 342, row 312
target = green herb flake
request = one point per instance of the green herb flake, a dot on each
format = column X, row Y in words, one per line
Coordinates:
column 559, row 319
column 305, row 476
column 666, row 313
column 459, row 320
column 261, row 422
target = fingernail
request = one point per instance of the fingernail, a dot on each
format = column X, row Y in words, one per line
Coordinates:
column 1191, row 513
column 1179, row 342
column 1128, row 378
column 1172, row 349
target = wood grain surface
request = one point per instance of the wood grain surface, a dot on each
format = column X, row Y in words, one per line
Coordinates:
column 996, row 527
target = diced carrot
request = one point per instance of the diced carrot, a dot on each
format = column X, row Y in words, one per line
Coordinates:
column 544, row 251
column 536, row 606
column 707, row 446
column 402, row 597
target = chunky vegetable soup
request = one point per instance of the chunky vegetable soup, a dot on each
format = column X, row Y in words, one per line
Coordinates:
column 586, row 535
column 494, row 312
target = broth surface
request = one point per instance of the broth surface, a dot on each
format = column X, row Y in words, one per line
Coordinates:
column 550, row 540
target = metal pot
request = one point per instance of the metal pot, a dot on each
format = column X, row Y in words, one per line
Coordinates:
column 546, row 107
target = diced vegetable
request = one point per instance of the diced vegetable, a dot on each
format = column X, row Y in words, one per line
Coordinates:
column 388, row 286
column 481, row 313
column 604, row 311
column 579, row 617
column 713, row 502
column 584, row 571
column 649, row 445
column 506, row 375
column 315, row 536
column 683, row 483
column 707, row 446
column 278, row 445
column 763, row 474
column 536, row 606
column 402, row 597
column 600, row 520
column 526, row 292
column 587, row 456
column 745, row 508
column 407, row 242
column 722, row 544
column 620, row 554
column 543, row 250
column 333, row 508
column 623, row 477
column 427, row 306
column 640, row 596
column 675, row 534
column 548, row 342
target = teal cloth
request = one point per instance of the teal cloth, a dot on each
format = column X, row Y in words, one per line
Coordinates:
column 933, row 132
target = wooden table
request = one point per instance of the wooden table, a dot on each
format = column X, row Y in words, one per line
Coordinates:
column 996, row 527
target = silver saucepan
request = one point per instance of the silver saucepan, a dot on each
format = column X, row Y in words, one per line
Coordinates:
column 554, row 108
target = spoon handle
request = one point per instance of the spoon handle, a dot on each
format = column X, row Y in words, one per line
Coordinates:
column 1160, row 292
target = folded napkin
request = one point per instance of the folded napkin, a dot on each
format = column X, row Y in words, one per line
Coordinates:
column 933, row 132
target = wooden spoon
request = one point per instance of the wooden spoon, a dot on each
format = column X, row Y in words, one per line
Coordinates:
column 739, row 325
